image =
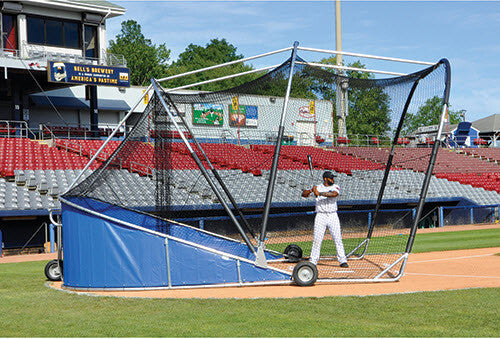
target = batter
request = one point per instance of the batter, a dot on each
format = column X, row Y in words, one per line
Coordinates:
column 326, row 216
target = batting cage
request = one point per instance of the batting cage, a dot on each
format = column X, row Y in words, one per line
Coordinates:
column 242, row 153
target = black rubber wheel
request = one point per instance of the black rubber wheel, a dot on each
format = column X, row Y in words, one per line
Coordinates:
column 305, row 273
column 53, row 271
column 293, row 253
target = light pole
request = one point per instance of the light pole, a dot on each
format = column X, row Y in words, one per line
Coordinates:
column 341, row 92
column 462, row 114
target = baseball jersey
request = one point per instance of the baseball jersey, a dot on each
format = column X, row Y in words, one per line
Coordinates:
column 327, row 204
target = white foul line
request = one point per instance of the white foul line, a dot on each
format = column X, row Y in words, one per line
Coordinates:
column 472, row 256
column 454, row 275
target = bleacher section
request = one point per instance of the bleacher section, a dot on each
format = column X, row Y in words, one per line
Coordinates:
column 322, row 159
column 142, row 159
column 489, row 154
column 33, row 174
column 450, row 164
column 35, row 189
column 23, row 154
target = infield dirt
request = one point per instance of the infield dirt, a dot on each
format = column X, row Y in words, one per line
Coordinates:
column 432, row 271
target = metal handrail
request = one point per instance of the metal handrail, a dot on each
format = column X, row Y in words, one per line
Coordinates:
column 51, row 216
column 69, row 133
column 71, row 146
column 12, row 126
column 32, row 52
column 9, row 53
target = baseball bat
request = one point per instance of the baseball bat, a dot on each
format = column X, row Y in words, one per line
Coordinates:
column 310, row 162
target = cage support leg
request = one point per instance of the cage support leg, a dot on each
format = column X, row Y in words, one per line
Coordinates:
column 364, row 242
column 403, row 257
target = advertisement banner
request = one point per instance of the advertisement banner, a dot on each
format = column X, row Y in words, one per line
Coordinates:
column 246, row 116
column 312, row 108
column 237, row 117
column 235, row 104
column 252, row 116
column 208, row 114
column 305, row 111
column 84, row 74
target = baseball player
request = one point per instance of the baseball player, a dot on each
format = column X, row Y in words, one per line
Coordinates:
column 326, row 216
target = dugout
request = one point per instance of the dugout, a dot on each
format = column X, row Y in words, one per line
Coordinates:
column 24, row 233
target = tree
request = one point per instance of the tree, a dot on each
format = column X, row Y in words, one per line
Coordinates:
column 304, row 83
column 216, row 52
column 144, row 59
column 428, row 114
column 368, row 108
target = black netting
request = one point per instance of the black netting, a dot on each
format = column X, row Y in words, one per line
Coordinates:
column 153, row 170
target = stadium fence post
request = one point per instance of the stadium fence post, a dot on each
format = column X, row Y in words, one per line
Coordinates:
column 52, row 237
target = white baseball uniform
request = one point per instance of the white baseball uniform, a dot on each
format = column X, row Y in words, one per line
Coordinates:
column 326, row 216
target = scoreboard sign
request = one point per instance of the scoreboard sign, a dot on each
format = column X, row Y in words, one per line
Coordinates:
column 85, row 74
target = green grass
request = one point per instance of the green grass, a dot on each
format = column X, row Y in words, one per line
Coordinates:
column 424, row 242
column 458, row 240
column 29, row 309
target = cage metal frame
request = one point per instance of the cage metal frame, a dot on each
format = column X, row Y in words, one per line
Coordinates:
column 260, row 260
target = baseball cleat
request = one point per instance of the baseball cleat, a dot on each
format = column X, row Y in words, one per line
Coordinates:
column 344, row 265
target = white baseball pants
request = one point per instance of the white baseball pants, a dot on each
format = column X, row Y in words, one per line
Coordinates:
column 321, row 222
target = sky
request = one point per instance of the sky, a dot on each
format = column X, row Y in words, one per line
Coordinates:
column 467, row 33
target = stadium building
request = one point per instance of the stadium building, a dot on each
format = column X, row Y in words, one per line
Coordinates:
column 36, row 34
column 481, row 133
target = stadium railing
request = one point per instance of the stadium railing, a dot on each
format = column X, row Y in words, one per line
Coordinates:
column 464, row 215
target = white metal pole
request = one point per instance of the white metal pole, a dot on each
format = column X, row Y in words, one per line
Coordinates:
column 442, row 121
column 221, row 78
column 347, row 68
column 338, row 33
column 225, row 64
column 124, row 120
column 368, row 56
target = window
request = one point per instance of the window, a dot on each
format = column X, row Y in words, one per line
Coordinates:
column 36, row 30
column 9, row 32
column 90, row 41
column 71, row 35
column 52, row 32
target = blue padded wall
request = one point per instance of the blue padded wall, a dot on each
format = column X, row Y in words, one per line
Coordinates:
column 99, row 253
